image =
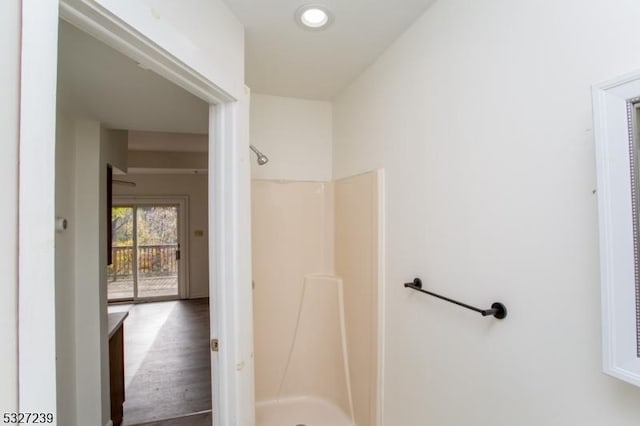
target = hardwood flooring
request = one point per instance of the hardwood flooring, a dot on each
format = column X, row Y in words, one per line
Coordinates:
column 200, row 419
column 167, row 362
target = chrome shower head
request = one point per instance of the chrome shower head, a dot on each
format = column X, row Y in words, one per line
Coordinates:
column 262, row 159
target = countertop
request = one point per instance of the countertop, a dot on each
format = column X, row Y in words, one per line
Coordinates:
column 114, row 321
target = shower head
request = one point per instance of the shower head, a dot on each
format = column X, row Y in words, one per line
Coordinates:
column 262, row 159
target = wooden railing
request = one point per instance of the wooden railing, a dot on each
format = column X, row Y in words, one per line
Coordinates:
column 153, row 260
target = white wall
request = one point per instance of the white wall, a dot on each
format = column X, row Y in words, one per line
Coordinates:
column 165, row 141
column 65, row 271
column 115, row 146
column 296, row 136
column 82, row 383
column 170, row 161
column 194, row 186
column 481, row 116
column 9, row 71
column 91, row 349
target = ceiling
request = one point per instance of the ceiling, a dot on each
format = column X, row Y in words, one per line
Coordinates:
column 283, row 59
column 98, row 82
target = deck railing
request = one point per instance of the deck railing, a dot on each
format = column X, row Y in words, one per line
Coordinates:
column 153, row 260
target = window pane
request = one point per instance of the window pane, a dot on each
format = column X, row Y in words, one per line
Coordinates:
column 157, row 236
column 120, row 272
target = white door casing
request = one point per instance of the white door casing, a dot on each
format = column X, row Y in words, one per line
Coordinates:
column 229, row 239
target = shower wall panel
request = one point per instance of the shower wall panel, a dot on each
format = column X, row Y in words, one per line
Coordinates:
column 317, row 363
column 292, row 237
column 356, row 262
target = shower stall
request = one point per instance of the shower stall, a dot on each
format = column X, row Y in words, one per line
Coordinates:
column 316, row 251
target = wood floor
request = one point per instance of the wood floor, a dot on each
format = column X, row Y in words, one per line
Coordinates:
column 202, row 419
column 167, row 362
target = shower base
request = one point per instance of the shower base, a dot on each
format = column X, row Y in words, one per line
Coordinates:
column 302, row 411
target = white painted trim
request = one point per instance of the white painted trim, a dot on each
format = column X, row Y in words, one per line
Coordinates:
column 218, row 264
column 182, row 201
column 220, row 268
column 109, row 423
column 617, row 273
column 36, row 252
column 229, row 270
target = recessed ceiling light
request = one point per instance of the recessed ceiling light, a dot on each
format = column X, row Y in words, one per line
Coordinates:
column 313, row 17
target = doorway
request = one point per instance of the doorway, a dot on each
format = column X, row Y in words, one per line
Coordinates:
column 84, row 313
column 154, row 153
column 148, row 250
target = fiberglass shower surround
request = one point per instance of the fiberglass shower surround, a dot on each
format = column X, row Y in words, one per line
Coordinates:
column 315, row 266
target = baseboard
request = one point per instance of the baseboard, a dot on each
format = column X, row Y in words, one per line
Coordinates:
column 198, row 296
column 109, row 423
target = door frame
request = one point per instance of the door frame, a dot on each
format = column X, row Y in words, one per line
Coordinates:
column 231, row 319
column 182, row 202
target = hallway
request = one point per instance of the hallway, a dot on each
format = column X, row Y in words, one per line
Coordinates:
column 167, row 363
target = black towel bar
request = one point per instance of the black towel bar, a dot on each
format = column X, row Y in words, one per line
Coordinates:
column 498, row 310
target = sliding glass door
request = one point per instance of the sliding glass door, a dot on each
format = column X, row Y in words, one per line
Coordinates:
column 120, row 274
column 145, row 252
